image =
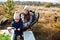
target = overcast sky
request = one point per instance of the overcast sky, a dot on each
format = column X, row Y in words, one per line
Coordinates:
column 53, row 1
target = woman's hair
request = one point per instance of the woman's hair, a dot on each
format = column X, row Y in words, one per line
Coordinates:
column 27, row 16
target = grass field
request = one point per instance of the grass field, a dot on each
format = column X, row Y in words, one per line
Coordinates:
column 46, row 28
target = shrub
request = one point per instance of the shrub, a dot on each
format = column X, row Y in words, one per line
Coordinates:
column 4, row 37
column 8, row 7
column 58, row 23
column 47, row 5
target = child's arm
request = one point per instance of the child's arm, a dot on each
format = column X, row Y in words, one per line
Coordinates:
column 21, row 26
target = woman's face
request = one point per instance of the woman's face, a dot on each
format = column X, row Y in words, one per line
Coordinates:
column 25, row 11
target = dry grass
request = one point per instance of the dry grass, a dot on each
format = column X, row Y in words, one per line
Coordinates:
column 45, row 28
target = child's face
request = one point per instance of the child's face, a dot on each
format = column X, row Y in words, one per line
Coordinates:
column 17, row 20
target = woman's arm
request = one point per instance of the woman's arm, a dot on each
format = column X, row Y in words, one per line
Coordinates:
column 30, row 20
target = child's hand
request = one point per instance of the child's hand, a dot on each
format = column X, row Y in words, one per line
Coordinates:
column 18, row 29
column 14, row 28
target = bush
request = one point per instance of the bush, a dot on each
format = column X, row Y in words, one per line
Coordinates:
column 4, row 37
column 58, row 23
column 8, row 8
column 47, row 5
column 58, row 6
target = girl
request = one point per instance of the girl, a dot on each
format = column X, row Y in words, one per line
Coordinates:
column 18, row 26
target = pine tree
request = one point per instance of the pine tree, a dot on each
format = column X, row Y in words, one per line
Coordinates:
column 8, row 7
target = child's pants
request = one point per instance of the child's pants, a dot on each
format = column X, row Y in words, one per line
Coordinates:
column 15, row 36
column 18, row 34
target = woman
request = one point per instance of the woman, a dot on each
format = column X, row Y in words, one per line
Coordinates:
column 26, row 16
